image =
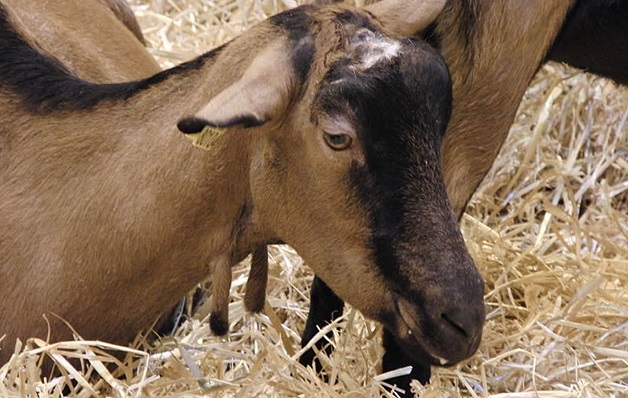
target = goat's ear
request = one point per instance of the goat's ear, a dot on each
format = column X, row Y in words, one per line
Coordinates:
column 407, row 17
column 262, row 93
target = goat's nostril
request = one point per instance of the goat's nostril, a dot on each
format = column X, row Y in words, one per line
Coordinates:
column 457, row 324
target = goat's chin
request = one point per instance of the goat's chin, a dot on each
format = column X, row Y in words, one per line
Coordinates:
column 416, row 347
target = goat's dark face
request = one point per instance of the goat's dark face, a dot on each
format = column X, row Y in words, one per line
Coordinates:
column 396, row 112
column 357, row 188
column 349, row 174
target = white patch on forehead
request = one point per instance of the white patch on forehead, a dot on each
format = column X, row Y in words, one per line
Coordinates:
column 369, row 48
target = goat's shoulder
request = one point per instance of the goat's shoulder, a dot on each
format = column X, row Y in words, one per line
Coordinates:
column 43, row 84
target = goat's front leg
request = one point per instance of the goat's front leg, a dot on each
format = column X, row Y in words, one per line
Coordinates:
column 325, row 306
column 221, row 284
column 395, row 358
column 255, row 295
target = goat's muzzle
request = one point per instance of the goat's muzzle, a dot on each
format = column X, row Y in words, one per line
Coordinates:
column 442, row 335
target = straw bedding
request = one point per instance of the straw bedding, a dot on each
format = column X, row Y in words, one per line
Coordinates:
column 548, row 230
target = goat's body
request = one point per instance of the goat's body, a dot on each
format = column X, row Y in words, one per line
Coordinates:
column 97, row 48
column 494, row 48
column 593, row 38
column 492, row 58
column 100, row 220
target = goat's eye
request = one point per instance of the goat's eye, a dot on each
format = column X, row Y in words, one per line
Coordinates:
column 338, row 142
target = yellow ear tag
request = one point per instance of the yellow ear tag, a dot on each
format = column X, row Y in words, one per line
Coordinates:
column 207, row 137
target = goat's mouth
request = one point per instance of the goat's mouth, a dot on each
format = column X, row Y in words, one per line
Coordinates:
column 422, row 342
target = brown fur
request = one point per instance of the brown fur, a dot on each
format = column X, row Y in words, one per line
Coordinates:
column 493, row 48
column 109, row 215
column 97, row 48
column 123, row 12
column 87, row 37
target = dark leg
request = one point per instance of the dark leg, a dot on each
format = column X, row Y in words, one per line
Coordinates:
column 255, row 296
column 325, row 306
column 395, row 358
column 184, row 309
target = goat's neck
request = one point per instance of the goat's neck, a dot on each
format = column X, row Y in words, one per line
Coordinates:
column 484, row 48
column 218, row 177
column 492, row 59
column 144, row 178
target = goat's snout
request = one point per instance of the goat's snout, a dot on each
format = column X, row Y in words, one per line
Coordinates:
column 461, row 327
column 465, row 322
column 442, row 334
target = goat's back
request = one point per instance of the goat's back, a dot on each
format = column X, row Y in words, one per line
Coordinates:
column 88, row 36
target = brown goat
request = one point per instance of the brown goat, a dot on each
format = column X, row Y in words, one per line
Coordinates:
column 493, row 49
column 331, row 128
